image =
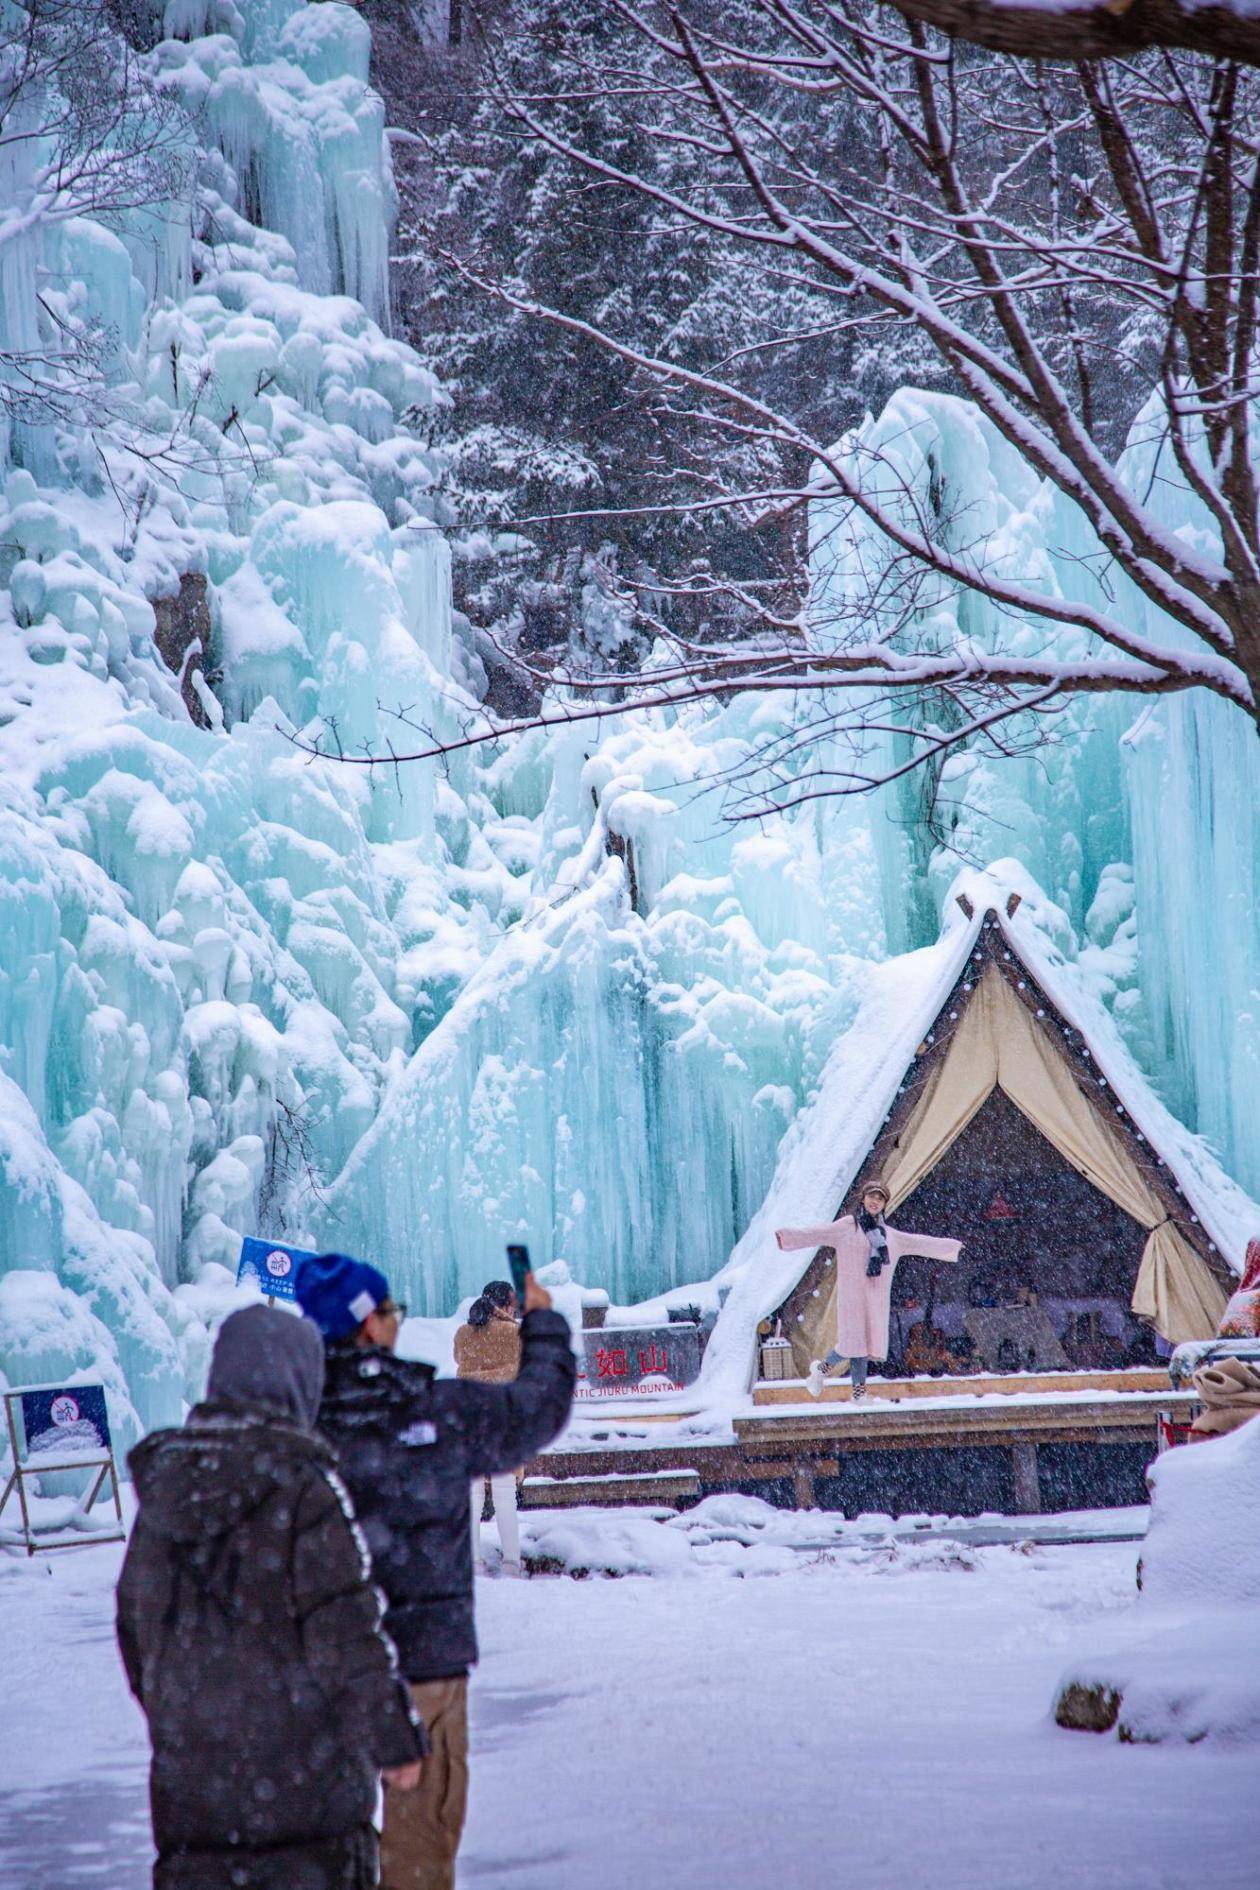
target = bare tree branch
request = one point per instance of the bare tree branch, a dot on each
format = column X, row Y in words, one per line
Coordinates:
column 1106, row 29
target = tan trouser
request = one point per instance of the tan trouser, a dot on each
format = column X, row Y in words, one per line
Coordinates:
column 423, row 1827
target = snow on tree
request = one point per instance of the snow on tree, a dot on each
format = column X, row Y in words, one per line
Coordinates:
column 1065, row 238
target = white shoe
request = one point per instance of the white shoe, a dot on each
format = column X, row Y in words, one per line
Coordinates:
column 814, row 1378
column 859, row 1392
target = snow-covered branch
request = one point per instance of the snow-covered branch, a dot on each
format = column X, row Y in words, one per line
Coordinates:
column 1094, row 29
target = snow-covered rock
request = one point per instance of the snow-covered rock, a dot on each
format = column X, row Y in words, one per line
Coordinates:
column 1181, row 1663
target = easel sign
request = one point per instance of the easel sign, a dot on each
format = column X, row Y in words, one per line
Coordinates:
column 61, row 1427
column 272, row 1265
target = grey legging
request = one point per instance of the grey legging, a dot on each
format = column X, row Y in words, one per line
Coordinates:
column 857, row 1367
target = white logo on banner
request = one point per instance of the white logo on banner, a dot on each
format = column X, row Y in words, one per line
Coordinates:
column 64, row 1410
column 279, row 1264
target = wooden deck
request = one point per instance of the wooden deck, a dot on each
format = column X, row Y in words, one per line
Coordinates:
column 793, row 1446
column 809, row 1444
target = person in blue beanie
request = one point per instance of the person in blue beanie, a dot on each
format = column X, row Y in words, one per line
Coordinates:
column 409, row 1446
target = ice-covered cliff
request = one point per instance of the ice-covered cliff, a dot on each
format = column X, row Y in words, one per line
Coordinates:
column 204, row 978
column 549, row 995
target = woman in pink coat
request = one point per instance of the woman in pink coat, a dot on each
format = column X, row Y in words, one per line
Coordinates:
column 867, row 1252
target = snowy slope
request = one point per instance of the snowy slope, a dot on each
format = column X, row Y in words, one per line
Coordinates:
column 1180, row 1663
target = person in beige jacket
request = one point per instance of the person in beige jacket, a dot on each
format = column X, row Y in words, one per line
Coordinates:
column 488, row 1350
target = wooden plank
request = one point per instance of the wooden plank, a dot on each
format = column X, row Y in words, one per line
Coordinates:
column 901, row 1427
column 762, row 1468
column 609, row 1492
column 631, row 1460
column 1006, row 1384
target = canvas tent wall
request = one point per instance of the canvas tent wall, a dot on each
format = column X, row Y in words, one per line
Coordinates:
column 1056, row 1045
column 995, row 1040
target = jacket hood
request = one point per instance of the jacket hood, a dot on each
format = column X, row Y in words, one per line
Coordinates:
column 267, row 1358
column 360, row 1374
column 199, row 1484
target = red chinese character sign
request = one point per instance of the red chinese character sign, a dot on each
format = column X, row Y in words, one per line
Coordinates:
column 638, row 1361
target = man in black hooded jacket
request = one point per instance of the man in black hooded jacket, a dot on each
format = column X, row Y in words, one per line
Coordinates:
column 252, row 1636
column 410, row 1445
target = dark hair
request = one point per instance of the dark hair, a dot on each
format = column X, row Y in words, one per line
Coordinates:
column 480, row 1312
column 498, row 1292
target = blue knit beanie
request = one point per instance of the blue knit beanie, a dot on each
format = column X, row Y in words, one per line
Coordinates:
column 338, row 1293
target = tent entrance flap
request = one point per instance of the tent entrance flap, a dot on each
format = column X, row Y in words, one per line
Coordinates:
column 998, row 1044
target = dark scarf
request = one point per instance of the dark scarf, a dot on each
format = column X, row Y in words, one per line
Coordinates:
column 872, row 1225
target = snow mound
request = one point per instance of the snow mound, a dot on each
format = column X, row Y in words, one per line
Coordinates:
column 745, row 1536
column 1181, row 1663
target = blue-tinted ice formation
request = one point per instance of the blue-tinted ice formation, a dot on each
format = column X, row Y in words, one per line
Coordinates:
column 1141, row 821
column 545, row 993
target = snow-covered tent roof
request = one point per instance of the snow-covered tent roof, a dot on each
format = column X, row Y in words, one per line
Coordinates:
column 830, row 1143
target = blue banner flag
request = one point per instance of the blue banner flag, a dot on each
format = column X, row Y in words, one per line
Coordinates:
column 274, row 1266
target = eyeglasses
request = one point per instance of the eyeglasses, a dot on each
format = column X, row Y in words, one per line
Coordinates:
column 392, row 1309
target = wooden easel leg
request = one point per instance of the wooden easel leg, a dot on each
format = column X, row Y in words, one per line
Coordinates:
column 10, row 1398
column 26, row 1514
column 87, row 1507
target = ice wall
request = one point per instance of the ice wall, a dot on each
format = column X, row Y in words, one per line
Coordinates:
column 613, row 1083
column 546, row 992
column 211, row 948
column 1142, row 822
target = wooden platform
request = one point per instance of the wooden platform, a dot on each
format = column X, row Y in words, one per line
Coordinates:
column 808, row 1444
column 1005, row 1384
column 794, row 1446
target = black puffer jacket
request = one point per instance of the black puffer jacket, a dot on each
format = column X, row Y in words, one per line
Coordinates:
column 409, row 1446
column 251, row 1635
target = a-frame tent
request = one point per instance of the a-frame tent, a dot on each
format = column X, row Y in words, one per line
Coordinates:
column 993, row 1006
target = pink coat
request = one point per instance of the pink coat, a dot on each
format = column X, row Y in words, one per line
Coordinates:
column 862, row 1303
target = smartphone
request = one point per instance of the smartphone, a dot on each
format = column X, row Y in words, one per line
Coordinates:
column 518, row 1267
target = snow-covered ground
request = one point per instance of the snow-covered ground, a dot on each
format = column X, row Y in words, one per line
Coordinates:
column 873, row 1719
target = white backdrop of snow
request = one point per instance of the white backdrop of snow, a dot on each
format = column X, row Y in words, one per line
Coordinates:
column 415, row 1014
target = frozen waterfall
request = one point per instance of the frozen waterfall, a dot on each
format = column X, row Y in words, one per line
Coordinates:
column 547, row 992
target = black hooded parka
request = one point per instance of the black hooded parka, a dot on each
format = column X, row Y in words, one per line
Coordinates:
column 252, row 1637
column 409, row 1445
